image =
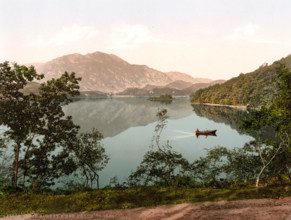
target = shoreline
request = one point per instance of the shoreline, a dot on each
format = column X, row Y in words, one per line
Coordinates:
column 132, row 96
column 243, row 107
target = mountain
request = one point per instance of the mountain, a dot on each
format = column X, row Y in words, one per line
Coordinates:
column 108, row 73
column 176, row 88
column 179, row 84
column 186, row 78
column 257, row 88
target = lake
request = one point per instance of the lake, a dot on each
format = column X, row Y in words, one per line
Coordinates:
column 128, row 127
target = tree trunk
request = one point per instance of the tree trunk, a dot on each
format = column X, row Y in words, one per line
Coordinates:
column 97, row 181
column 258, row 178
column 39, row 165
column 24, row 175
column 16, row 165
column 24, row 162
column 265, row 165
column 24, row 166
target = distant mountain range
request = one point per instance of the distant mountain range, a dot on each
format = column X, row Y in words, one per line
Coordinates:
column 257, row 88
column 106, row 73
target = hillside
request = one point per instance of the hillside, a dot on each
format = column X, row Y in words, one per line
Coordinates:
column 179, row 84
column 176, row 88
column 108, row 73
column 257, row 88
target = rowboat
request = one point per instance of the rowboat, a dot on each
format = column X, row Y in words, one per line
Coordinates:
column 206, row 132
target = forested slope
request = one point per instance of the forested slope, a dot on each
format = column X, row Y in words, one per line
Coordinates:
column 257, row 88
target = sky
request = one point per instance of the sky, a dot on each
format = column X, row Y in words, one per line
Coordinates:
column 217, row 39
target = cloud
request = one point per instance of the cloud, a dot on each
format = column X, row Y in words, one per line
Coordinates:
column 249, row 33
column 129, row 36
column 66, row 36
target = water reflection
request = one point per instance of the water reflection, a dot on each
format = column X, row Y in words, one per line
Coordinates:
column 113, row 116
column 128, row 126
column 228, row 116
column 164, row 166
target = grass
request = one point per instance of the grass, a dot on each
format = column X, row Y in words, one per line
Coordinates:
column 17, row 203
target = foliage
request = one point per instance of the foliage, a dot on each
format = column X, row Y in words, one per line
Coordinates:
column 263, row 156
column 13, row 78
column 163, row 98
column 159, row 166
column 5, row 163
column 258, row 88
column 53, row 129
column 44, row 139
column 277, row 116
column 89, row 156
column 221, row 167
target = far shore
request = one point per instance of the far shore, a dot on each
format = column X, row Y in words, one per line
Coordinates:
column 132, row 96
column 243, row 107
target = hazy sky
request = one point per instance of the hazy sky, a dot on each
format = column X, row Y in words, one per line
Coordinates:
column 217, row 39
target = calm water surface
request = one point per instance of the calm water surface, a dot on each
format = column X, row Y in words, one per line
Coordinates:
column 128, row 127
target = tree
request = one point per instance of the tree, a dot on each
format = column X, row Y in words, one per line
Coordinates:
column 209, row 168
column 90, row 156
column 41, row 134
column 277, row 116
column 53, row 129
column 163, row 98
column 13, row 78
column 5, row 159
column 238, row 164
column 161, row 165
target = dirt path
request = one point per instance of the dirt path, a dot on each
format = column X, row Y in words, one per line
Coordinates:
column 246, row 209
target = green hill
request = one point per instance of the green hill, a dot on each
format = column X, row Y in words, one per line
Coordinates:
column 257, row 88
